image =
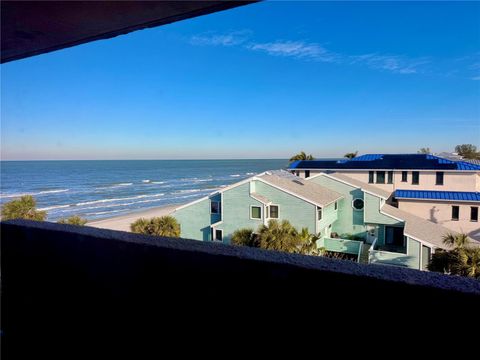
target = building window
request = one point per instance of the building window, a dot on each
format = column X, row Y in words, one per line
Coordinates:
column 307, row 174
column 415, row 178
column 390, row 177
column 255, row 212
column 273, row 211
column 370, row 177
column 215, row 207
column 474, row 213
column 404, row 176
column 297, row 173
column 319, row 213
column 439, row 178
column 455, row 212
column 380, row 177
column 336, row 205
column 217, row 234
column 358, row 204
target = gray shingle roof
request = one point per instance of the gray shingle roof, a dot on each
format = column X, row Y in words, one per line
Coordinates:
column 421, row 229
column 301, row 188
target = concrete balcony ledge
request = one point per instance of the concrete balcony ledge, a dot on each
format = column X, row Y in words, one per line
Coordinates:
column 67, row 285
column 46, row 235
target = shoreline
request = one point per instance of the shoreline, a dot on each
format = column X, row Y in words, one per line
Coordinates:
column 122, row 222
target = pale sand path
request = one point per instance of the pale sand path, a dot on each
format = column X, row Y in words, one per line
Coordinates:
column 123, row 222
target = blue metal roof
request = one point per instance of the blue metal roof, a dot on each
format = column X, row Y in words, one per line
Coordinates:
column 438, row 195
column 388, row 162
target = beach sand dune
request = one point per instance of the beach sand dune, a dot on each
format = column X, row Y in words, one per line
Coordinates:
column 123, row 222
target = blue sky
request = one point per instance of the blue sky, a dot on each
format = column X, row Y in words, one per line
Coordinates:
column 261, row 81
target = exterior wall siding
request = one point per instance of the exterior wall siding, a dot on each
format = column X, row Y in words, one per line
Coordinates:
column 373, row 214
column 349, row 221
column 195, row 221
column 299, row 212
column 236, row 211
column 452, row 181
column 441, row 213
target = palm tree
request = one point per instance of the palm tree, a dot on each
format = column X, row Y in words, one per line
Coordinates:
column 280, row 236
column 73, row 220
column 463, row 259
column 244, row 237
column 302, row 156
column 351, row 155
column 23, row 208
column 158, row 226
column 458, row 241
column 309, row 243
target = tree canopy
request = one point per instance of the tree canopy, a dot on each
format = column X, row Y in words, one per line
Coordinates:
column 424, row 150
column 468, row 151
column 23, row 208
column 158, row 226
column 73, row 220
column 351, row 155
column 302, row 156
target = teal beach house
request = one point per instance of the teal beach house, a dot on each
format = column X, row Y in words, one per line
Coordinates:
column 347, row 214
column 254, row 201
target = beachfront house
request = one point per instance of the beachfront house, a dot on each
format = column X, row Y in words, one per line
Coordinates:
column 349, row 216
column 443, row 191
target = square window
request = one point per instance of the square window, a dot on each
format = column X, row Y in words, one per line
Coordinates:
column 404, row 176
column 439, row 178
column 319, row 213
column 455, row 213
column 415, row 178
column 218, row 235
column 273, row 211
column 390, row 177
column 370, row 176
column 474, row 213
column 215, row 207
column 380, row 177
column 256, row 212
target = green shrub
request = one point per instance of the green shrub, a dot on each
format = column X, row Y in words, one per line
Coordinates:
column 73, row 220
column 158, row 226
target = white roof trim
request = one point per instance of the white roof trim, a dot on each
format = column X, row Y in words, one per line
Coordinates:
column 437, row 200
column 217, row 223
column 333, row 169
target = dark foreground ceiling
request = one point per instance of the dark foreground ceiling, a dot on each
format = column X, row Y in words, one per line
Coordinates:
column 35, row 27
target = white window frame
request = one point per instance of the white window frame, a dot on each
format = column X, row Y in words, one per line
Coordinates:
column 319, row 211
column 219, row 207
column 354, row 208
column 268, row 211
column 261, row 212
column 215, row 235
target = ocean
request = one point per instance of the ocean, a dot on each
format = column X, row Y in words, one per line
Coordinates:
column 105, row 188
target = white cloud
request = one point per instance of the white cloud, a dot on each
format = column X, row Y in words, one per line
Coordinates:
column 229, row 39
column 296, row 49
column 312, row 51
column 393, row 63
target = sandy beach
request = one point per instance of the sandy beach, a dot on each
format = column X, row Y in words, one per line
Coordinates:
column 123, row 222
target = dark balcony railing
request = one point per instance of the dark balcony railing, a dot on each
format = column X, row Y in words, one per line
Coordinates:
column 67, row 287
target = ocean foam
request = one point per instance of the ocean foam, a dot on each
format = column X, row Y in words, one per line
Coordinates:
column 117, row 199
column 54, row 207
column 33, row 193
column 235, row 175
